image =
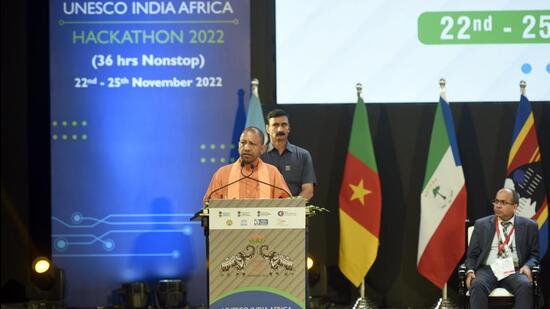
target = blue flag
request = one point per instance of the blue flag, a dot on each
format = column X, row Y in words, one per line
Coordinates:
column 255, row 114
column 524, row 173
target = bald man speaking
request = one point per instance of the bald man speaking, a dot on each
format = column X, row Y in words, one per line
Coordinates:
column 249, row 177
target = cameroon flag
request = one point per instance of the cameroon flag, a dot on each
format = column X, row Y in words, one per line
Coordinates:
column 360, row 201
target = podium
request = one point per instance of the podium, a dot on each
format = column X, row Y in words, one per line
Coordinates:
column 256, row 253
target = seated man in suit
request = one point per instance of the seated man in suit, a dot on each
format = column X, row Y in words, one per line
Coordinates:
column 503, row 249
column 249, row 176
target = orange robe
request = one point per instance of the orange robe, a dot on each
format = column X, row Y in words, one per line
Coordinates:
column 247, row 188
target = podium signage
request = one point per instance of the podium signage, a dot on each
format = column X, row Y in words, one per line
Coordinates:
column 257, row 254
column 257, row 218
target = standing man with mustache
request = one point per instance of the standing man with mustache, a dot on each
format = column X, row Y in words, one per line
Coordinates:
column 249, row 177
column 293, row 162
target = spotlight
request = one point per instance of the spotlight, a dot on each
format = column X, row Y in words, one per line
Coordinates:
column 47, row 280
column 317, row 274
column 41, row 265
column 313, row 274
column 309, row 263
column 170, row 294
column 135, row 294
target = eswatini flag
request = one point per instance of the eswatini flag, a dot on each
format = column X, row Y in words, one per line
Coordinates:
column 360, row 201
column 443, row 203
column 524, row 173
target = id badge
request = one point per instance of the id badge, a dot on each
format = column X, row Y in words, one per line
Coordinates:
column 503, row 267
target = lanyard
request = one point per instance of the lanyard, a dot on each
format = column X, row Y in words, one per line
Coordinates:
column 503, row 244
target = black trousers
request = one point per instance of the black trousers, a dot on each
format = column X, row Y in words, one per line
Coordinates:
column 485, row 281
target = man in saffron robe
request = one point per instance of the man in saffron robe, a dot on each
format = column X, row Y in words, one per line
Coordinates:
column 261, row 180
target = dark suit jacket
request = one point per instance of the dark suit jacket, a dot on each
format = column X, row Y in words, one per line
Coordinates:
column 526, row 238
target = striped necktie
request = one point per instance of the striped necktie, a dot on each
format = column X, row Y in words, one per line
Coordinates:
column 505, row 228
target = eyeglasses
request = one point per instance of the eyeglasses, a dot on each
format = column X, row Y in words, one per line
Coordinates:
column 502, row 202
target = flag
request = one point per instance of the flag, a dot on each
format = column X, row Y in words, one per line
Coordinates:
column 524, row 172
column 255, row 114
column 360, row 202
column 238, row 127
column 442, row 203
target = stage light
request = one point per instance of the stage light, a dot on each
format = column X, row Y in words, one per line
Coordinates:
column 47, row 280
column 309, row 263
column 313, row 274
column 316, row 275
column 41, row 265
column 135, row 294
column 170, row 294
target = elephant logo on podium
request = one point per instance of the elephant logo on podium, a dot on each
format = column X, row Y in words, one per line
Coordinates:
column 276, row 259
column 239, row 260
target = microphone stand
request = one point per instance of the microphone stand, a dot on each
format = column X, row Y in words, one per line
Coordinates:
column 263, row 182
column 227, row 185
column 203, row 213
column 311, row 210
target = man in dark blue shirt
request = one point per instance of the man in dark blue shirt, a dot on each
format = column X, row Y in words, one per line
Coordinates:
column 293, row 162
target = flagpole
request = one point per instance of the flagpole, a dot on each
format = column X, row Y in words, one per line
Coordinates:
column 362, row 293
column 442, row 90
column 359, row 88
column 444, row 301
column 362, row 302
column 522, row 87
column 260, row 123
column 255, row 83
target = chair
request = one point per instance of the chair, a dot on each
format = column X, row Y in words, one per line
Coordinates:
column 498, row 296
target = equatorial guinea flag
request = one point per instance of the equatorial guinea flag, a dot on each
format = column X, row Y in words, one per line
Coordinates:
column 524, row 173
column 443, row 203
column 360, row 201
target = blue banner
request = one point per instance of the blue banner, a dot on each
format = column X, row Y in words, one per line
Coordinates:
column 145, row 96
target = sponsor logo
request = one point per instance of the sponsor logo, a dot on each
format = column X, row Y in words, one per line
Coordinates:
column 263, row 213
column 262, row 222
column 276, row 260
column 256, row 239
column 243, row 213
column 282, row 213
column 239, row 261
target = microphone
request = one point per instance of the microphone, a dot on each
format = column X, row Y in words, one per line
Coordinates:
column 233, row 182
column 263, row 182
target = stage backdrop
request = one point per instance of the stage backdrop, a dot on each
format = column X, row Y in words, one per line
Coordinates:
column 144, row 101
column 399, row 49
